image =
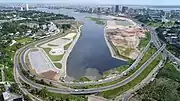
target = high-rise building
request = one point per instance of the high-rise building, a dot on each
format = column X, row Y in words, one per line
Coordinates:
column 91, row 10
column 99, row 9
column 124, row 9
column 27, row 7
column 117, row 9
column 113, row 9
column 22, row 8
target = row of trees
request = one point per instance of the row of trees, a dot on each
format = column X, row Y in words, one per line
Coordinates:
column 46, row 95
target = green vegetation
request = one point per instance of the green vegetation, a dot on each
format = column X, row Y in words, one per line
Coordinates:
column 143, row 42
column 162, row 24
column 82, row 79
column 147, row 55
column 67, row 46
column 97, row 20
column 154, row 24
column 165, row 87
column 53, row 57
column 66, row 26
column 27, row 98
column 24, row 40
column 2, row 89
column 8, row 74
column 15, row 89
column 117, row 70
column 52, row 45
column 58, row 65
column 49, row 96
column 21, row 30
column 122, row 68
column 113, row 93
column 125, row 52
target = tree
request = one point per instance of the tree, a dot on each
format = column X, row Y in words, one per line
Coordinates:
column 66, row 26
column 43, row 92
column 27, row 98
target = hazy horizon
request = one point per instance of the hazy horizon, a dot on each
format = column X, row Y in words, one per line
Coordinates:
column 123, row 2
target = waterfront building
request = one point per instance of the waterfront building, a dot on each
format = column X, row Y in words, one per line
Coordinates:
column 117, row 9
column 22, row 9
column 27, row 7
column 124, row 9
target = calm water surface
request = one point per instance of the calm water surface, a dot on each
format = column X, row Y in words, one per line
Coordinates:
column 90, row 56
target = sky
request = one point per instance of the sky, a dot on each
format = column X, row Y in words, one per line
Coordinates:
column 130, row 2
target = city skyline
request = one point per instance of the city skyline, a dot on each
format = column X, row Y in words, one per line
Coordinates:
column 125, row 2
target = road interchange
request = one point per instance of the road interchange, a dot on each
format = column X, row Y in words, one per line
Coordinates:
column 17, row 67
column 86, row 91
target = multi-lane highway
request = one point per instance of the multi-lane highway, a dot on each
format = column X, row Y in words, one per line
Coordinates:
column 86, row 91
column 20, row 56
column 22, row 61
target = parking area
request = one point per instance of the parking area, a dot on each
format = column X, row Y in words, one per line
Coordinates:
column 40, row 63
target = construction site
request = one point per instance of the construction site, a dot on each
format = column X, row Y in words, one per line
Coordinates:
column 124, row 36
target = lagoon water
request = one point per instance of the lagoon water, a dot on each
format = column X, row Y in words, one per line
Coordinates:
column 90, row 55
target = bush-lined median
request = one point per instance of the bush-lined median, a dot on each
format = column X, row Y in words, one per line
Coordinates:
column 113, row 93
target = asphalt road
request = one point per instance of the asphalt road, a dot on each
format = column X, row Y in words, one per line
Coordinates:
column 87, row 91
column 25, row 67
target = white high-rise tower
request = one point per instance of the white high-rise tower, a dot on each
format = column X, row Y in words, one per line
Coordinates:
column 21, row 8
column 27, row 7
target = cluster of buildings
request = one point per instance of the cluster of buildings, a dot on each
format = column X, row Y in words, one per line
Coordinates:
column 26, row 8
column 172, row 38
column 153, row 13
column 115, row 9
column 50, row 29
column 7, row 96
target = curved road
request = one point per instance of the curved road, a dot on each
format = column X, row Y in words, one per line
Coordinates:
column 86, row 91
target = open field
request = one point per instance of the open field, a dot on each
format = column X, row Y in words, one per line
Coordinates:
column 58, row 65
column 124, row 36
column 57, row 47
column 144, row 41
column 52, row 57
column 40, row 63
column 123, row 19
column 24, row 40
column 123, row 23
column 99, row 21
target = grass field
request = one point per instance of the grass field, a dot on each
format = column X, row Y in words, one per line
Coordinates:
column 58, row 65
column 49, row 96
column 24, row 40
column 8, row 74
column 67, row 46
column 116, row 70
column 53, row 57
column 52, row 45
column 144, row 42
column 113, row 93
column 97, row 20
